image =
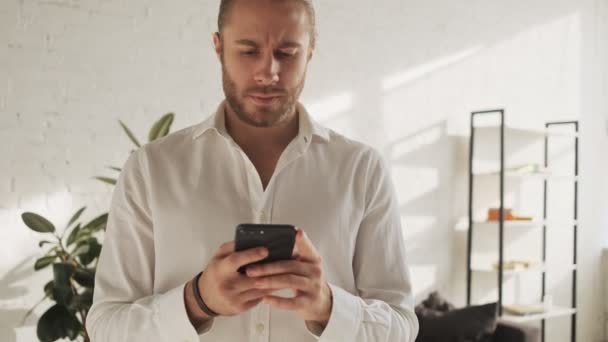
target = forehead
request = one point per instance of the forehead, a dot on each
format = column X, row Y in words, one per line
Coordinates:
column 267, row 22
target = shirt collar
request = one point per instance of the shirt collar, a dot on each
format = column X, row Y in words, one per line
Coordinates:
column 307, row 126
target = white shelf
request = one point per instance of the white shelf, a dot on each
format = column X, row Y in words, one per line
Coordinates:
column 493, row 130
column 519, row 175
column 555, row 311
column 522, row 224
column 517, row 271
column 463, row 225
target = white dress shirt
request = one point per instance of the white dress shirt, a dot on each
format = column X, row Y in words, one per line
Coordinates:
column 179, row 198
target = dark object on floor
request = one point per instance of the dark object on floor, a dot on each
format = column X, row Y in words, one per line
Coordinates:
column 440, row 321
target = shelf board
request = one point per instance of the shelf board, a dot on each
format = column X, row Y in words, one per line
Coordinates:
column 519, row 175
column 535, row 224
column 555, row 311
column 523, row 224
column 517, row 271
column 534, row 133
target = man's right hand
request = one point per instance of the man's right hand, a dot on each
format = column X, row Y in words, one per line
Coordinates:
column 225, row 290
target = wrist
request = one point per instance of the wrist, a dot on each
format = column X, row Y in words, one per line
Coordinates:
column 195, row 314
column 196, row 293
column 327, row 305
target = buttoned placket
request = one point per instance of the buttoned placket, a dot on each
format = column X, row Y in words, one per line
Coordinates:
column 261, row 203
column 262, row 211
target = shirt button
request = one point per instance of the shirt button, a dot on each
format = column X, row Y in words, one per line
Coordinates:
column 260, row 328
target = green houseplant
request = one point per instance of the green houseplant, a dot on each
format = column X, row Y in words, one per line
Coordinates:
column 73, row 255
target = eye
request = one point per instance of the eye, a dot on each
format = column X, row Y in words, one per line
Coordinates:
column 249, row 52
column 285, row 54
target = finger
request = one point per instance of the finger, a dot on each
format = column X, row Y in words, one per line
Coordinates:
column 252, row 294
column 280, row 267
column 242, row 283
column 294, row 303
column 250, row 304
column 238, row 259
column 284, row 281
column 225, row 249
column 304, row 249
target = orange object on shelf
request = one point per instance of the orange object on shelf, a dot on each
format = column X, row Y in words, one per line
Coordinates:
column 494, row 215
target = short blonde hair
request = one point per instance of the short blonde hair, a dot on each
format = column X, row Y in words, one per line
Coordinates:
column 225, row 6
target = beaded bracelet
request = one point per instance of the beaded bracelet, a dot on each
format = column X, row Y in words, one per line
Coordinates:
column 199, row 299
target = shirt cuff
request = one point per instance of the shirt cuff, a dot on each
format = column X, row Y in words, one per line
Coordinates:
column 343, row 321
column 173, row 318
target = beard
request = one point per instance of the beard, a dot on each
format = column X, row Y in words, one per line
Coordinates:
column 270, row 116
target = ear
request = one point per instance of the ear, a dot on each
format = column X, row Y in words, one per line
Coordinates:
column 217, row 44
column 311, row 52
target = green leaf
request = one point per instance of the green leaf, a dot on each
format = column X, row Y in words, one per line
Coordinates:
column 94, row 250
column 52, row 250
column 43, row 242
column 48, row 288
column 82, row 301
column 62, row 295
column 62, row 291
column 129, row 133
column 108, row 180
column 73, row 235
column 62, row 272
column 84, row 277
column 83, row 236
column 115, row 168
column 75, row 217
column 44, row 262
column 98, row 223
column 37, row 223
column 57, row 323
column 162, row 127
column 81, row 249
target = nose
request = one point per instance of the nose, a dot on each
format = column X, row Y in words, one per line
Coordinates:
column 268, row 71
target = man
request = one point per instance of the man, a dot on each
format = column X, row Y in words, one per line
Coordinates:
column 260, row 158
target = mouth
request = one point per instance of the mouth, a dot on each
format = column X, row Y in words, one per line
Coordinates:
column 264, row 100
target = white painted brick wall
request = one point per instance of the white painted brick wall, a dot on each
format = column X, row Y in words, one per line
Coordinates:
column 70, row 68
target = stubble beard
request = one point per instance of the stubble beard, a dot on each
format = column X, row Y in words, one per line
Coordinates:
column 270, row 117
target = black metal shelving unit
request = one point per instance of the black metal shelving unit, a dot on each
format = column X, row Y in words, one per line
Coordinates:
column 501, row 221
column 574, row 124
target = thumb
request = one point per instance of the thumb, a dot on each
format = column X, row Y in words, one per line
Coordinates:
column 304, row 249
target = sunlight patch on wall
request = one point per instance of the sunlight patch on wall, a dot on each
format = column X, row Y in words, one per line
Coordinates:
column 407, row 76
column 329, row 107
column 414, row 142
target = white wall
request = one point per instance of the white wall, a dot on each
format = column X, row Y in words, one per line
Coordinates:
column 400, row 75
column 594, row 163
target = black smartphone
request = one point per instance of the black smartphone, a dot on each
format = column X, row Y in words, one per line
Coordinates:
column 278, row 238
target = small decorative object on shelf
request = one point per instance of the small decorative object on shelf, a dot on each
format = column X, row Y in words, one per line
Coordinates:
column 518, row 264
column 528, row 169
column 494, row 215
column 524, row 309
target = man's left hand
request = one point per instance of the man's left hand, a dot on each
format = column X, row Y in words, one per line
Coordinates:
column 303, row 274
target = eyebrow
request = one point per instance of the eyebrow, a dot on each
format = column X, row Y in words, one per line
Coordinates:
column 288, row 44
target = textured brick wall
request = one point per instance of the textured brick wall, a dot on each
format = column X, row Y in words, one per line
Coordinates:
column 392, row 73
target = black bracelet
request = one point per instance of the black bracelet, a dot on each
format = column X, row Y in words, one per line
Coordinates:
column 199, row 299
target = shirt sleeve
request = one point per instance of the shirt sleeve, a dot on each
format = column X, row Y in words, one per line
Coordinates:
column 382, row 310
column 125, row 307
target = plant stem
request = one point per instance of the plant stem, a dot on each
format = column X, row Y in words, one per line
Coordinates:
column 69, row 257
column 64, row 252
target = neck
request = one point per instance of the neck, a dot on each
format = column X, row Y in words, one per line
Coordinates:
column 250, row 137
